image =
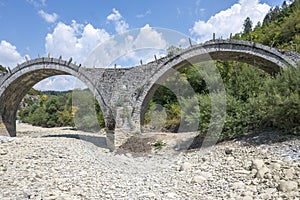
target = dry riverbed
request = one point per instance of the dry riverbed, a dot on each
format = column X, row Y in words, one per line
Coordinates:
column 60, row 163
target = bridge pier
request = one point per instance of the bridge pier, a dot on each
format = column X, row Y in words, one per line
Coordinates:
column 110, row 140
column 125, row 126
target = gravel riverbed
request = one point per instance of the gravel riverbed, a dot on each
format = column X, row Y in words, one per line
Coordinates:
column 61, row 163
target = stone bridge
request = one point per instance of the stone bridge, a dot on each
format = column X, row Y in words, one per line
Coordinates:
column 124, row 93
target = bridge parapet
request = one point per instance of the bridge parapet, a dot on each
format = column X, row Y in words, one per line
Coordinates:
column 293, row 55
column 288, row 57
column 39, row 61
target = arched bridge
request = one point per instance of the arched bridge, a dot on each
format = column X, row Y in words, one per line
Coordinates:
column 124, row 93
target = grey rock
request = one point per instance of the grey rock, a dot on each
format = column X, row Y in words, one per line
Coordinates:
column 262, row 172
column 229, row 150
column 289, row 173
column 185, row 166
column 198, row 179
column 287, row 186
column 275, row 166
column 171, row 195
column 247, row 198
column 238, row 185
column 257, row 164
column 3, row 152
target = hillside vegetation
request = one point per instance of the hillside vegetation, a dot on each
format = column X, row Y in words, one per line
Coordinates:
column 280, row 28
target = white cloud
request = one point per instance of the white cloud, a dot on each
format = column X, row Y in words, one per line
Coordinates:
column 150, row 38
column 50, row 18
column 115, row 16
column 120, row 25
column 60, row 83
column 75, row 40
column 9, row 56
column 128, row 49
column 230, row 20
column 37, row 3
column 148, row 12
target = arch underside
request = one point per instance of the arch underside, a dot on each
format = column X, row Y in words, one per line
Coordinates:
column 255, row 60
column 15, row 92
column 18, row 88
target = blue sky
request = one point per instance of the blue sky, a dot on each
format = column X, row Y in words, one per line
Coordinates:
column 73, row 28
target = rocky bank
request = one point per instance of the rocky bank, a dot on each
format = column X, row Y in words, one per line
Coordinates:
column 60, row 163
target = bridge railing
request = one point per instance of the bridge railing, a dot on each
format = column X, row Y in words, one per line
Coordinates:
column 39, row 61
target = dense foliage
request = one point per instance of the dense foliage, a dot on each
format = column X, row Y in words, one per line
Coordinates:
column 52, row 108
column 47, row 111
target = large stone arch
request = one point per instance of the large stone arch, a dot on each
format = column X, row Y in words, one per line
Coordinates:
column 17, row 82
column 267, row 58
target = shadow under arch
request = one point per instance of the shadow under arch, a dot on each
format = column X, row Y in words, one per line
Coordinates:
column 16, row 84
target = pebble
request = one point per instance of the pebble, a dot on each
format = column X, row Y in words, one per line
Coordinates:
column 247, row 198
column 275, row 166
column 238, row 185
column 171, row 195
column 185, row 166
column 261, row 172
column 3, row 152
column 289, row 173
column 4, row 139
column 288, row 186
column 257, row 164
column 198, row 179
column 229, row 150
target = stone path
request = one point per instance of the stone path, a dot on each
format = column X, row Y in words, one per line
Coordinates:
column 66, row 164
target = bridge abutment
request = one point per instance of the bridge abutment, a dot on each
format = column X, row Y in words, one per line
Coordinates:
column 125, row 126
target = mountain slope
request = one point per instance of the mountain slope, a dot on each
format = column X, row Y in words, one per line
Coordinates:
column 280, row 28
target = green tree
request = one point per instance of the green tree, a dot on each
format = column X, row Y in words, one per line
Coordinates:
column 3, row 69
column 247, row 25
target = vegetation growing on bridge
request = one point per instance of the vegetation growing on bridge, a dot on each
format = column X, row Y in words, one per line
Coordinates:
column 2, row 69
